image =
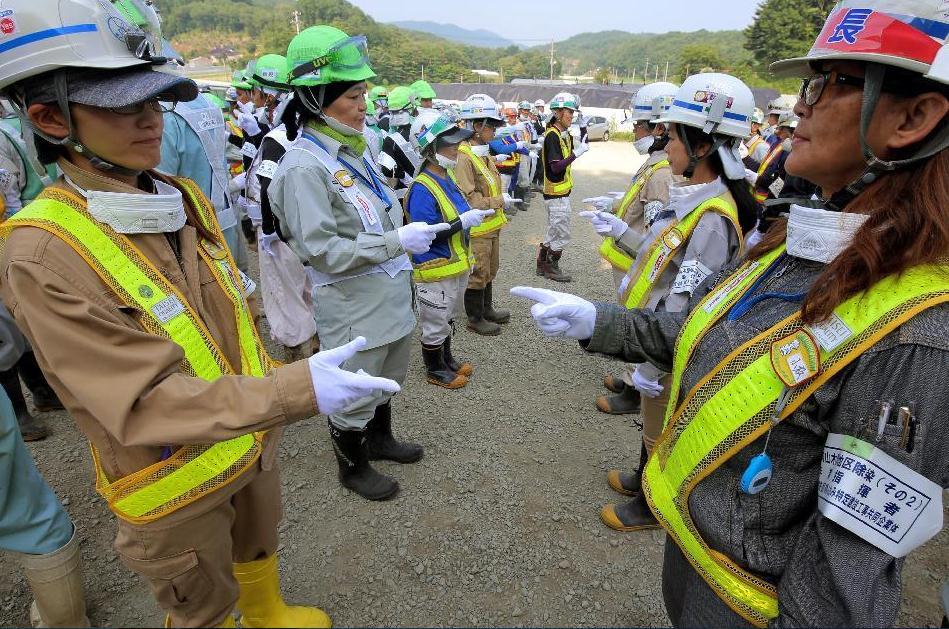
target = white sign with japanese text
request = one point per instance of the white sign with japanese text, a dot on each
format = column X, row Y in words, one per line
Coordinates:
column 876, row 497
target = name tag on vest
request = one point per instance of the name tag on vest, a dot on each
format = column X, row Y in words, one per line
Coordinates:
column 168, row 308
column 874, row 496
column 249, row 150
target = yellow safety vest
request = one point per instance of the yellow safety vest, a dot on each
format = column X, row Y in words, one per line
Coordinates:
column 652, row 263
column 460, row 260
column 564, row 187
column 761, row 195
column 193, row 471
column 734, row 405
column 609, row 250
column 499, row 219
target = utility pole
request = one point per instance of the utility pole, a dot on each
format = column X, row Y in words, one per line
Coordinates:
column 665, row 77
column 551, row 60
column 296, row 20
column 423, row 71
column 657, row 73
column 646, row 72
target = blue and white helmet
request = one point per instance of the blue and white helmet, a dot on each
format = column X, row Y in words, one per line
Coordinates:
column 652, row 101
column 715, row 103
column 480, row 107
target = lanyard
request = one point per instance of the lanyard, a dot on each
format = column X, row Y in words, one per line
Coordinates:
column 373, row 183
column 749, row 300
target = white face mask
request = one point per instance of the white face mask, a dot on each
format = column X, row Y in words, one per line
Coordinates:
column 821, row 235
column 129, row 213
column 481, row 150
column 643, row 145
column 444, row 162
column 339, row 127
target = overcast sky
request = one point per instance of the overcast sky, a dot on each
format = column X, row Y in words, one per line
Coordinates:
column 531, row 22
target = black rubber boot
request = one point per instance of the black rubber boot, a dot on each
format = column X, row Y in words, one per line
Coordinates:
column 355, row 472
column 31, row 429
column 626, row 402
column 630, row 516
column 463, row 368
column 437, row 370
column 474, row 307
column 553, row 267
column 44, row 398
column 614, row 383
column 525, row 195
column 495, row 316
column 250, row 234
column 629, row 483
column 543, row 266
column 383, row 445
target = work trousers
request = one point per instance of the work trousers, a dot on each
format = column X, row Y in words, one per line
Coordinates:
column 387, row 361
column 654, row 413
column 487, row 253
column 32, row 520
column 188, row 562
column 558, row 223
column 436, row 307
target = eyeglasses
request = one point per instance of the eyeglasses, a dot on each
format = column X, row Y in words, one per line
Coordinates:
column 156, row 105
column 813, row 87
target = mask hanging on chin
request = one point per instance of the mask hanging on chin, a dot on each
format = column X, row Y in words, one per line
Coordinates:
column 643, row 145
column 129, row 213
column 444, row 162
column 481, row 150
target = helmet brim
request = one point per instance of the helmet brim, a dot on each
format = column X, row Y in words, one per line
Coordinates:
column 119, row 89
column 456, row 136
column 803, row 66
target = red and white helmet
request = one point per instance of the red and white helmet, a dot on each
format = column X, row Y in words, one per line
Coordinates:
column 908, row 34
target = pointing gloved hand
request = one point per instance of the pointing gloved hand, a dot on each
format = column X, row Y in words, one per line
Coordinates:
column 417, row 237
column 521, row 144
column 581, row 149
column 751, row 176
column 606, row 224
column 501, row 157
column 247, row 108
column 509, row 201
column 337, row 388
column 647, row 387
column 559, row 314
column 266, row 242
column 473, row 217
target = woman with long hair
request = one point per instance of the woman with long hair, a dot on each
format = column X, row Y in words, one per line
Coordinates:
column 806, row 449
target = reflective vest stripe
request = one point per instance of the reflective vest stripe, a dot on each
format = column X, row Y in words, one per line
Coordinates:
column 609, row 250
column 734, row 404
column 499, row 219
column 761, row 195
column 566, row 150
column 458, row 263
column 194, row 470
column 652, row 263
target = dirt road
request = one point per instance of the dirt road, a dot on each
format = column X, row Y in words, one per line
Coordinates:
column 497, row 525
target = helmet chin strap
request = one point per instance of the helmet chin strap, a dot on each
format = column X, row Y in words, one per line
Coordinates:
column 62, row 99
column 876, row 167
column 693, row 158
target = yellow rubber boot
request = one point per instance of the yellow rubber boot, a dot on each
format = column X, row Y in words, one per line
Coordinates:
column 261, row 604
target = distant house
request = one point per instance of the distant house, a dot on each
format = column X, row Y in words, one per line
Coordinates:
column 200, row 62
column 224, row 54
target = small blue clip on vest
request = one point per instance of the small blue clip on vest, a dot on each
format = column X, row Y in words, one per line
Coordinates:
column 757, row 475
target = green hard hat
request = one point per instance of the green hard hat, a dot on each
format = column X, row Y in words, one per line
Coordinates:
column 401, row 98
column 239, row 81
column 270, row 71
column 216, row 100
column 370, row 106
column 324, row 54
column 379, row 92
column 422, row 89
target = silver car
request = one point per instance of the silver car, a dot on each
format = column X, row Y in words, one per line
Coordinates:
column 598, row 128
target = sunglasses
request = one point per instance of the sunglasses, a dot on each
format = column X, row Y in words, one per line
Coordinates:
column 813, row 87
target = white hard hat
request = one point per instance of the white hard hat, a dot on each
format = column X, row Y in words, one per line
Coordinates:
column 715, row 103
column 43, row 35
column 479, row 107
column 540, row 103
column 757, row 116
column 789, row 120
column 652, row 101
column 565, row 100
column 907, row 34
column 782, row 105
column 430, row 125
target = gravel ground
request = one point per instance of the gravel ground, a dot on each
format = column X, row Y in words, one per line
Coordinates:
column 497, row 525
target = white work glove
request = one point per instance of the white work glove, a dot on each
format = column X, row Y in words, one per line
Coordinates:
column 501, row 157
column 599, row 204
column 473, row 217
column 521, row 144
column 606, row 224
column 536, row 146
column 248, row 122
column 509, row 201
column 417, row 238
column 247, row 108
column 237, row 183
column 534, row 154
column 645, row 386
column 559, row 314
column 581, row 149
column 337, row 388
column 266, row 242
column 751, row 176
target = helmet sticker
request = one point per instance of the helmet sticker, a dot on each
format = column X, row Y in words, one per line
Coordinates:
column 7, row 22
column 852, row 24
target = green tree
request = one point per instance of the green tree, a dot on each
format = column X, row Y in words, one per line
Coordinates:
column 699, row 58
column 785, row 28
